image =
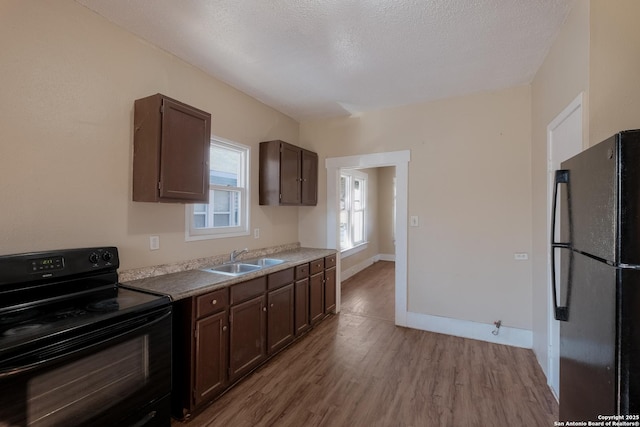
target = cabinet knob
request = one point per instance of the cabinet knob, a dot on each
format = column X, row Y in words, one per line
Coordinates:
column 214, row 302
column 264, row 308
column 224, row 328
column 271, row 305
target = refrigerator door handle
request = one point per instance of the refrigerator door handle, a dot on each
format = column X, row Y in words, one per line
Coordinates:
column 561, row 177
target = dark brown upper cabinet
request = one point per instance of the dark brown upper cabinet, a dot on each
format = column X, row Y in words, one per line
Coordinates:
column 288, row 175
column 170, row 151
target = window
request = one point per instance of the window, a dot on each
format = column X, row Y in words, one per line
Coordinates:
column 352, row 209
column 227, row 214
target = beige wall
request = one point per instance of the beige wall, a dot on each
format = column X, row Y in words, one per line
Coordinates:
column 69, row 79
column 469, row 182
column 385, row 210
column 562, row 76
column 614, row 68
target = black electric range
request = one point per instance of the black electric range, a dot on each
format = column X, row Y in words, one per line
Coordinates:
column 65, row 321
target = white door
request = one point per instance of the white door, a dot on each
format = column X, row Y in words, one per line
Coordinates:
column 564, row 140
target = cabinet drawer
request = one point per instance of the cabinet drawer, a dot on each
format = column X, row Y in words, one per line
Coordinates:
column 302, row 271
column 211, row 303
column 317, row 266
column 330, row 261
column 246, row 290
column 281, row 278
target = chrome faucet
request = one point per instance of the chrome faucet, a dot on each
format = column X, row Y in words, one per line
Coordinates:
column 237, row 253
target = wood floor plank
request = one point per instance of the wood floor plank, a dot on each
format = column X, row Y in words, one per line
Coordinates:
column 358, row 369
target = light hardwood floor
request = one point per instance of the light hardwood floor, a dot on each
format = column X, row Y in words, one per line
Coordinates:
column 358, row 369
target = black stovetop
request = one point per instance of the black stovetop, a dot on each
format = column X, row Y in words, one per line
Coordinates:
column 30, row 325
column 47, row 296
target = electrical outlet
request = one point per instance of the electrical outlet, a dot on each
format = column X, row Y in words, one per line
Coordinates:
column 154, row 243
column 256, row 233
column 413, row 221
column 521, row 256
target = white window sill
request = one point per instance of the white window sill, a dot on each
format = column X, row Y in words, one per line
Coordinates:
column 220, row 235
column 354, row 250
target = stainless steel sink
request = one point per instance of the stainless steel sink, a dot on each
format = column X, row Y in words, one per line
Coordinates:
column 235, row 269
column 264, row 262
column 244, row 267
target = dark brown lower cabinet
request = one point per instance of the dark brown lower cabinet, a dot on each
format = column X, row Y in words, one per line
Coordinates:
column 280, row 318
column 316, row 297
column 247, row 333
column 302, row 306
column 222, row 335
column 210, row 371
column 200, row 351
column 329, row 290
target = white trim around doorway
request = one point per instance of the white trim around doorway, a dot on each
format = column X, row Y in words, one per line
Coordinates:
column 399, row 159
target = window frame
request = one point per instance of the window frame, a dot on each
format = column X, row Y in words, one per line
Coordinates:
column 352, row 176
column 191, row 232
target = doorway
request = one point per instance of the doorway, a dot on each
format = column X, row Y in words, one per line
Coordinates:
column 564, row 140
column 399, row 159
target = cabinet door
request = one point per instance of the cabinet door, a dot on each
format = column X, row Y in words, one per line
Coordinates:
column 309, row 194
column 280, row 318
column 184, row 160
column 247, row 344
column 170, row 151
column 290, row 170
column 302, row 305
column 329, row 290
column 210, row 364
column 316, row 297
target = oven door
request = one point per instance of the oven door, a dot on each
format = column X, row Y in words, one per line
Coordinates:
column 115, row 375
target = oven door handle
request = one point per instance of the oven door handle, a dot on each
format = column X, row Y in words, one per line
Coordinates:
column 140, row 321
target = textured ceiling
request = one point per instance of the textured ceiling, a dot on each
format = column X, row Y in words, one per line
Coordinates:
column 319, row 58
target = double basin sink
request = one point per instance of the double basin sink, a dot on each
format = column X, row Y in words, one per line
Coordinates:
column 243, row 267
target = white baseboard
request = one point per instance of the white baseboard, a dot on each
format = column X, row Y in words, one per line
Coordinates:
column 387, row 257
column 364, row 264
column 357, row 268
column 467, row 329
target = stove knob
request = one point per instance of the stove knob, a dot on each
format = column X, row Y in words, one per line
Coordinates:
column 107, row 256
column 93, row 258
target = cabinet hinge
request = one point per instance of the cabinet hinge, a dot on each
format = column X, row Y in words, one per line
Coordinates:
column 280, row 196
column 159, row 185
column 162, row 109
column 195, row 333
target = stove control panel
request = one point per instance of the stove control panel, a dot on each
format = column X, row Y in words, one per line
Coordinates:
column 47, row 264
column 98, row 257
column 57, row 264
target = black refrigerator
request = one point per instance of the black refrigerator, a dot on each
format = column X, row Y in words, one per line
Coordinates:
column 597, row 299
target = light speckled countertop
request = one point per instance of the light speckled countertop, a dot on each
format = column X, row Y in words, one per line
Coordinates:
column 194, row 282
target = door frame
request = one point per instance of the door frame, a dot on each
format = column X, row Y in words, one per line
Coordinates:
column 399, row 159
column 553, row 327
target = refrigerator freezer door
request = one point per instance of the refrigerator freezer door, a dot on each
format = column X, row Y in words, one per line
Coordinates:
column 588, row 340
column 589, row 208
column 603, row 200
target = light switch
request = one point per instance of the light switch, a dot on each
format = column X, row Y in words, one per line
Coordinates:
column 413, row 221
column 256, row 233
column 154, row 243
column 521, row 256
